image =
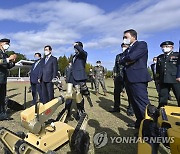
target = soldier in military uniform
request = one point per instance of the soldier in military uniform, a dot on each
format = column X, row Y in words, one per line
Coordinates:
column 118, row 80
column 99, row 74
column 5, row 64
column 178, row 69
column 166, row 70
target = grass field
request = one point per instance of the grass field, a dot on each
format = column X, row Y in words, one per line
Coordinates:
column 100, row 120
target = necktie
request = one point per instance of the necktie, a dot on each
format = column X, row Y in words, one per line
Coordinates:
column 35, row 65
column 74, row 57
column 155, row 69
column 46, row 60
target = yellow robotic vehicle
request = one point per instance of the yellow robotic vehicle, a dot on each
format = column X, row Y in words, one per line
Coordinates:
column 44, row 135
column 160, row 126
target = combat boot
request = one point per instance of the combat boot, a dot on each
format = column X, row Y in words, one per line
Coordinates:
column 3, row 114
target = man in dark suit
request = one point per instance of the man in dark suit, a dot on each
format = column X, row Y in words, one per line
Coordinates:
column 49, row 71
column 35, row 85
column 136, row 74
column 166, row 72
column 5, row 64
column 78, row 77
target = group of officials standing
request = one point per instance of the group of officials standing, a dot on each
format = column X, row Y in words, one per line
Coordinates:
column 130, row 71
column 43, row 71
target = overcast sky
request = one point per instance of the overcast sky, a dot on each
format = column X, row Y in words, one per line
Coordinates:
column 99, row 24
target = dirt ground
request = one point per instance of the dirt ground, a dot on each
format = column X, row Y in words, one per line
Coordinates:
column 100, row 120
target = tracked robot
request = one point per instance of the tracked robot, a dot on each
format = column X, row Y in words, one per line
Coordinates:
column 46, row 135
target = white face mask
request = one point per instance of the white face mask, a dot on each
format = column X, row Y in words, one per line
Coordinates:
column 124, row 48
column 46, row 53
column 166, row 50
column 36, row 58
column 98, row 64
column 127, row 41
column 6, row 46
column 154, row 62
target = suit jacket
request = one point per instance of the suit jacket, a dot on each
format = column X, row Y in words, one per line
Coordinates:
column 178, row 69
column 78, row 64
column 167, row 67
column 49, row 70
column 35, row 72
column 135, row 61
column 4, row 66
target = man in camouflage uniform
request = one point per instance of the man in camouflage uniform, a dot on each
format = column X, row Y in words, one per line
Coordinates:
column 99, row 74
column 166, row 70
column 5, row 64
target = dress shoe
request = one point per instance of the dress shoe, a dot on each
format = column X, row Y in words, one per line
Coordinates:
column 105, row 94
column 133, row 125
column 68, row 115
column 114, row 110
column 4, row 116
column 129, row 113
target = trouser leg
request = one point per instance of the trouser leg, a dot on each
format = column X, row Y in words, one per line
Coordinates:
column 130, row 111
column 79, row 102
column 118, row 87
column 34, row 93
column 163, row 94
column 176, row 91
column 103, row 85
column 39, row 90
column 50, row 90
column 44, row 92
column 97, row 85
column 2, row 97
column 139, row 100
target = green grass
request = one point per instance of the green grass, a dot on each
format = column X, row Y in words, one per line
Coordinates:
column 99, row 118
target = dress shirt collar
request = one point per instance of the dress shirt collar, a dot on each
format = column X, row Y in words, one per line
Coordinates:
column 133, row 43
column 48, row 56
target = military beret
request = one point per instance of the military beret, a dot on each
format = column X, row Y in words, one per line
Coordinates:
column 79, row 43
column 166, row 43
column 98, row 61
column 5, row 40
